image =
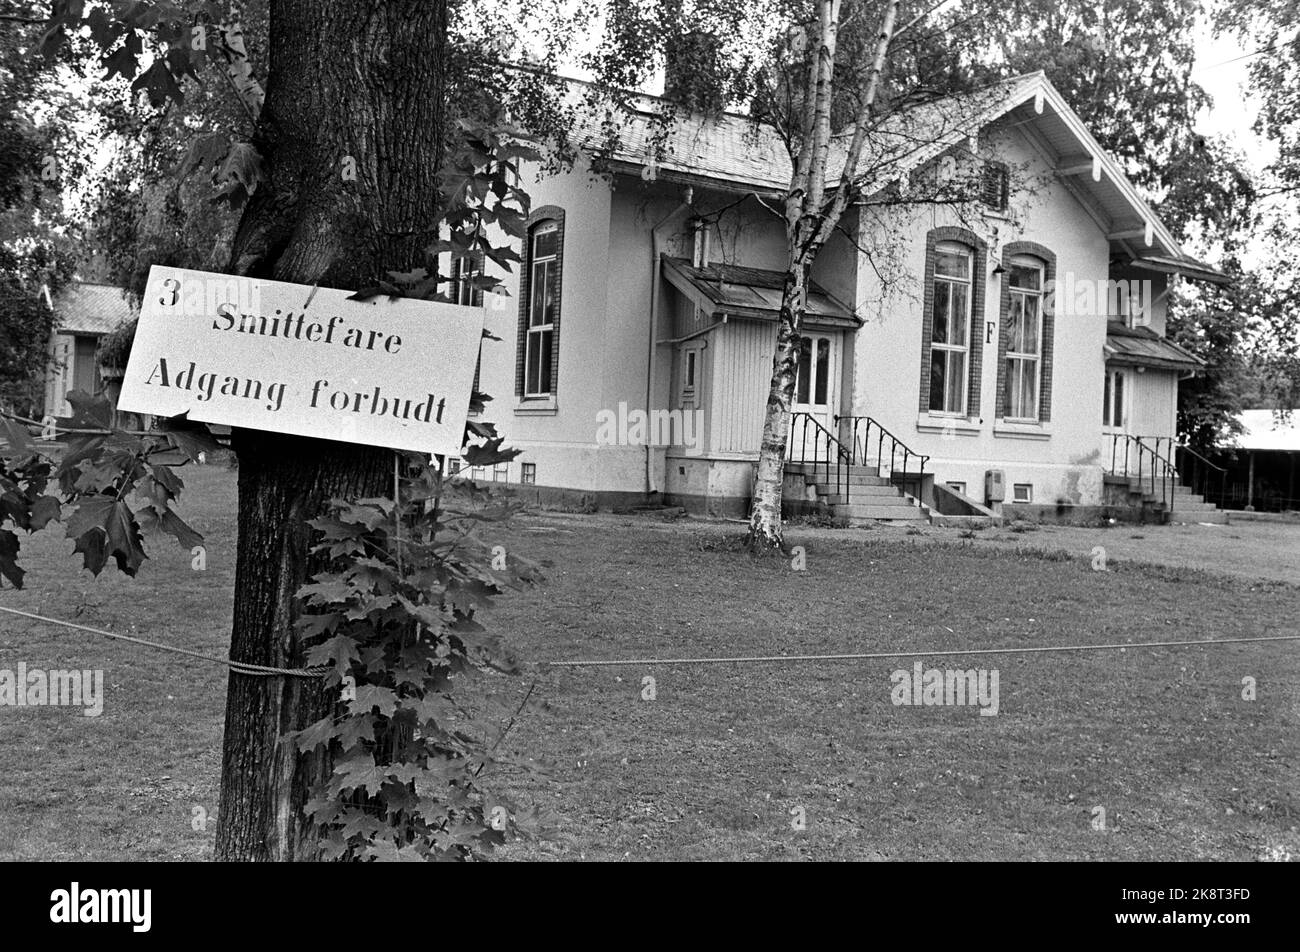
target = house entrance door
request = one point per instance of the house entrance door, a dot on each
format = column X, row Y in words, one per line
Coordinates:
column 816, row 393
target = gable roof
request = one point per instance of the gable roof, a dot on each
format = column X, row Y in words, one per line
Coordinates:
column 731, row 151
column 83, row 307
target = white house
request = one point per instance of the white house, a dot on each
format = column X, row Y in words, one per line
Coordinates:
column 84, row 312
column 940, row 343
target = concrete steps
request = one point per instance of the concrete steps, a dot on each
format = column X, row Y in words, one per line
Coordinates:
column 1187, row 506
column 864, row 495
column 904, row 511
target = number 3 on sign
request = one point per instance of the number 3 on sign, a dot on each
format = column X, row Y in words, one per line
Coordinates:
column 174, row 287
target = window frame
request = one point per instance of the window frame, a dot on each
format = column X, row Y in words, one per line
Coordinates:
column 947, row 346
column 1022, row 357
column 464, row 269
column 539, row 334
column 1110, row 392
column 978, row 316
column 1013, row 253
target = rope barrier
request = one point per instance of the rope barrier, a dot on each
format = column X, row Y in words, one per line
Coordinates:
column 238, row 666
column 317, row 672
column 938, row 652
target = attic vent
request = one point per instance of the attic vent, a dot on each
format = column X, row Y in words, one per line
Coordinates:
column 995, row 185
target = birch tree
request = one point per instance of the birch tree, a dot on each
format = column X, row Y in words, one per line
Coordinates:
column 812, row 212
column 812, row 72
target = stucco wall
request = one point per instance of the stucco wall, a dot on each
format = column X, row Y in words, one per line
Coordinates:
column 560, row 440
column 609, row 340
column 1059, row 458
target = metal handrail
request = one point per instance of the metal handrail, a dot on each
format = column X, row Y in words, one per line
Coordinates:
column 1151, row 464
column 824, row 447
column 1200, row 486
column 860, row 439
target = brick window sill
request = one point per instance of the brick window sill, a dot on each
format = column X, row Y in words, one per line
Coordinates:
column 1022, row 431
column 542, row 406
column 932, row 423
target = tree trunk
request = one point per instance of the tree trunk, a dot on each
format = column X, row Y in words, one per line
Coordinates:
column 765, row 516
column 809, row 223
column 803, row 218
column 355, row 86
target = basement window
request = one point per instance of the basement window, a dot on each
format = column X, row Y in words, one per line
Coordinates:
column 958, row 487
column 1022, row 492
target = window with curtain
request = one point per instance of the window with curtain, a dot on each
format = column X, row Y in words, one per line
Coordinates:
column 950, row 344
column 1024, row 330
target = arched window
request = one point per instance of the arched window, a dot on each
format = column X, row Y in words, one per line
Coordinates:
column 952, row 323
column 950, row 335
column 539, row 319
column 1025, row 341
column 1025, row 277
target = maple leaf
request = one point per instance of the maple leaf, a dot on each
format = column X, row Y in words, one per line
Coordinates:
column 205, row 153
column 170, row 482
column 16, row 436
column 386, row 851
column 188, row 436
column 356, row 728
column 371, row 696
column 316, row 734
column 159, row 83
column 91, row 513
column 103, row 30
column 325, row 592
column 125, row 543
column 362, row 824
column 45, row 509
column 9, row 567
column 489, row 453
column 239, row 173
column 174, row 525
column 340, row 649
column 359, row 772
column 124, row 60
column 91, row 545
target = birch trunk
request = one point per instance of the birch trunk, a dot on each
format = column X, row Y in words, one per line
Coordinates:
column 803, row 214
column 765, row 518
column 810, row 221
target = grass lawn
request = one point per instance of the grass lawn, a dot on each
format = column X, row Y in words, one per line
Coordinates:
column 713, row 766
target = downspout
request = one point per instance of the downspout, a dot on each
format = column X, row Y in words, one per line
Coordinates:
column 651, row 349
